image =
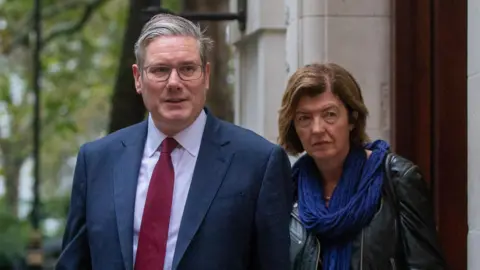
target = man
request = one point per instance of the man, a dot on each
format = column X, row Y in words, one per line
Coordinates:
column 181, row 190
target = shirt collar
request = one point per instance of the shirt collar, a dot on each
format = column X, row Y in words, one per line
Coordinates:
column 189, row 138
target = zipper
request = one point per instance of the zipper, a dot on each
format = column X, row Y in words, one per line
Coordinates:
column 318, row 253
column 392, row 262
column 361, row 250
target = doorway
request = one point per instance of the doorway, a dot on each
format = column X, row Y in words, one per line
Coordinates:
column 429, row 108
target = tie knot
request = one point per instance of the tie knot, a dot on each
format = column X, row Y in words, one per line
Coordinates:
column 168, row 145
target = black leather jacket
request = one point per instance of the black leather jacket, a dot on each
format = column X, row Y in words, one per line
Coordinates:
column 401, row 235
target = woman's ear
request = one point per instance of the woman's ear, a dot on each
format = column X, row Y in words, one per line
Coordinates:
column 354, row 116
column 352, row 119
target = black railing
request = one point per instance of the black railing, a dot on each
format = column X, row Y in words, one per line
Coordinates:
column 240, row 15
column 34, row 258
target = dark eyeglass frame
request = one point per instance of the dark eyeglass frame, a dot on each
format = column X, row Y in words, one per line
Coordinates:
column 176, row 68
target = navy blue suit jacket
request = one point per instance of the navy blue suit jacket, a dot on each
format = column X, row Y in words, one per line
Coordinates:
column 236, row 215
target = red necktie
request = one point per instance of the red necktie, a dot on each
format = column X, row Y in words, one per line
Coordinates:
column 153, row 234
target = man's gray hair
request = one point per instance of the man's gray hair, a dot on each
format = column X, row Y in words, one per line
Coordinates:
column 163, row 25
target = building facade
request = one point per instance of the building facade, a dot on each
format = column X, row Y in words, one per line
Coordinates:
column 419, row 78
column 473, row 122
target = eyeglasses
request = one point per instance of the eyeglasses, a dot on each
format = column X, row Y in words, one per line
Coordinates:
column 161, row 73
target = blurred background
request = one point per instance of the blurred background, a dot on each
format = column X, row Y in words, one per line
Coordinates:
column 66, row 79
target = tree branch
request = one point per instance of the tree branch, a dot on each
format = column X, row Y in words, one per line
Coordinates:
column 49, row 11
column 62, row 6
column 71, row 28
column 3, row 142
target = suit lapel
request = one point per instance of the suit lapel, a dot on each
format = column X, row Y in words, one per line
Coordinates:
column 211, row 166
column 125, row 185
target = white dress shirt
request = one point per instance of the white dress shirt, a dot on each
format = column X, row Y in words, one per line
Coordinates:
column 184, row 158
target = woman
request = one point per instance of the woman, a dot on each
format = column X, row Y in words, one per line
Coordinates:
column 357, row 205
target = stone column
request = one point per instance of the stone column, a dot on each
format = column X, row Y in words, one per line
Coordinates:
column 473, row 126
column 259, row 64
column 354, row 34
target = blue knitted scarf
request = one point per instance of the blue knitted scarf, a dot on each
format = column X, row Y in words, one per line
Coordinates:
column 354, row 202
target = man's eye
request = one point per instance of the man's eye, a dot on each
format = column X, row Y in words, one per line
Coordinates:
column 160, row 69
column 188, row 69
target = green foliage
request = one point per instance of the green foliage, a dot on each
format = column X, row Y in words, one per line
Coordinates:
column 173, row 5
column 13, row 237
column 77, row 77
column 56, row 207
column 78, row 71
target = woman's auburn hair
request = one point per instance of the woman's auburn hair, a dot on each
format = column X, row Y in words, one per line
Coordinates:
column 315, row 79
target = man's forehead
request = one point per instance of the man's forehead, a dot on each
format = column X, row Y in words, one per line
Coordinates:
column 173, row 41
column 175, row 49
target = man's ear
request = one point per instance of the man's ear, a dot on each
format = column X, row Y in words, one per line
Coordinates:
column 207, row 75
column 137, row 76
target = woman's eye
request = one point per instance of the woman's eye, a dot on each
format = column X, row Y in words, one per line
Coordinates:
column 330, row 116
column 302, row 118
